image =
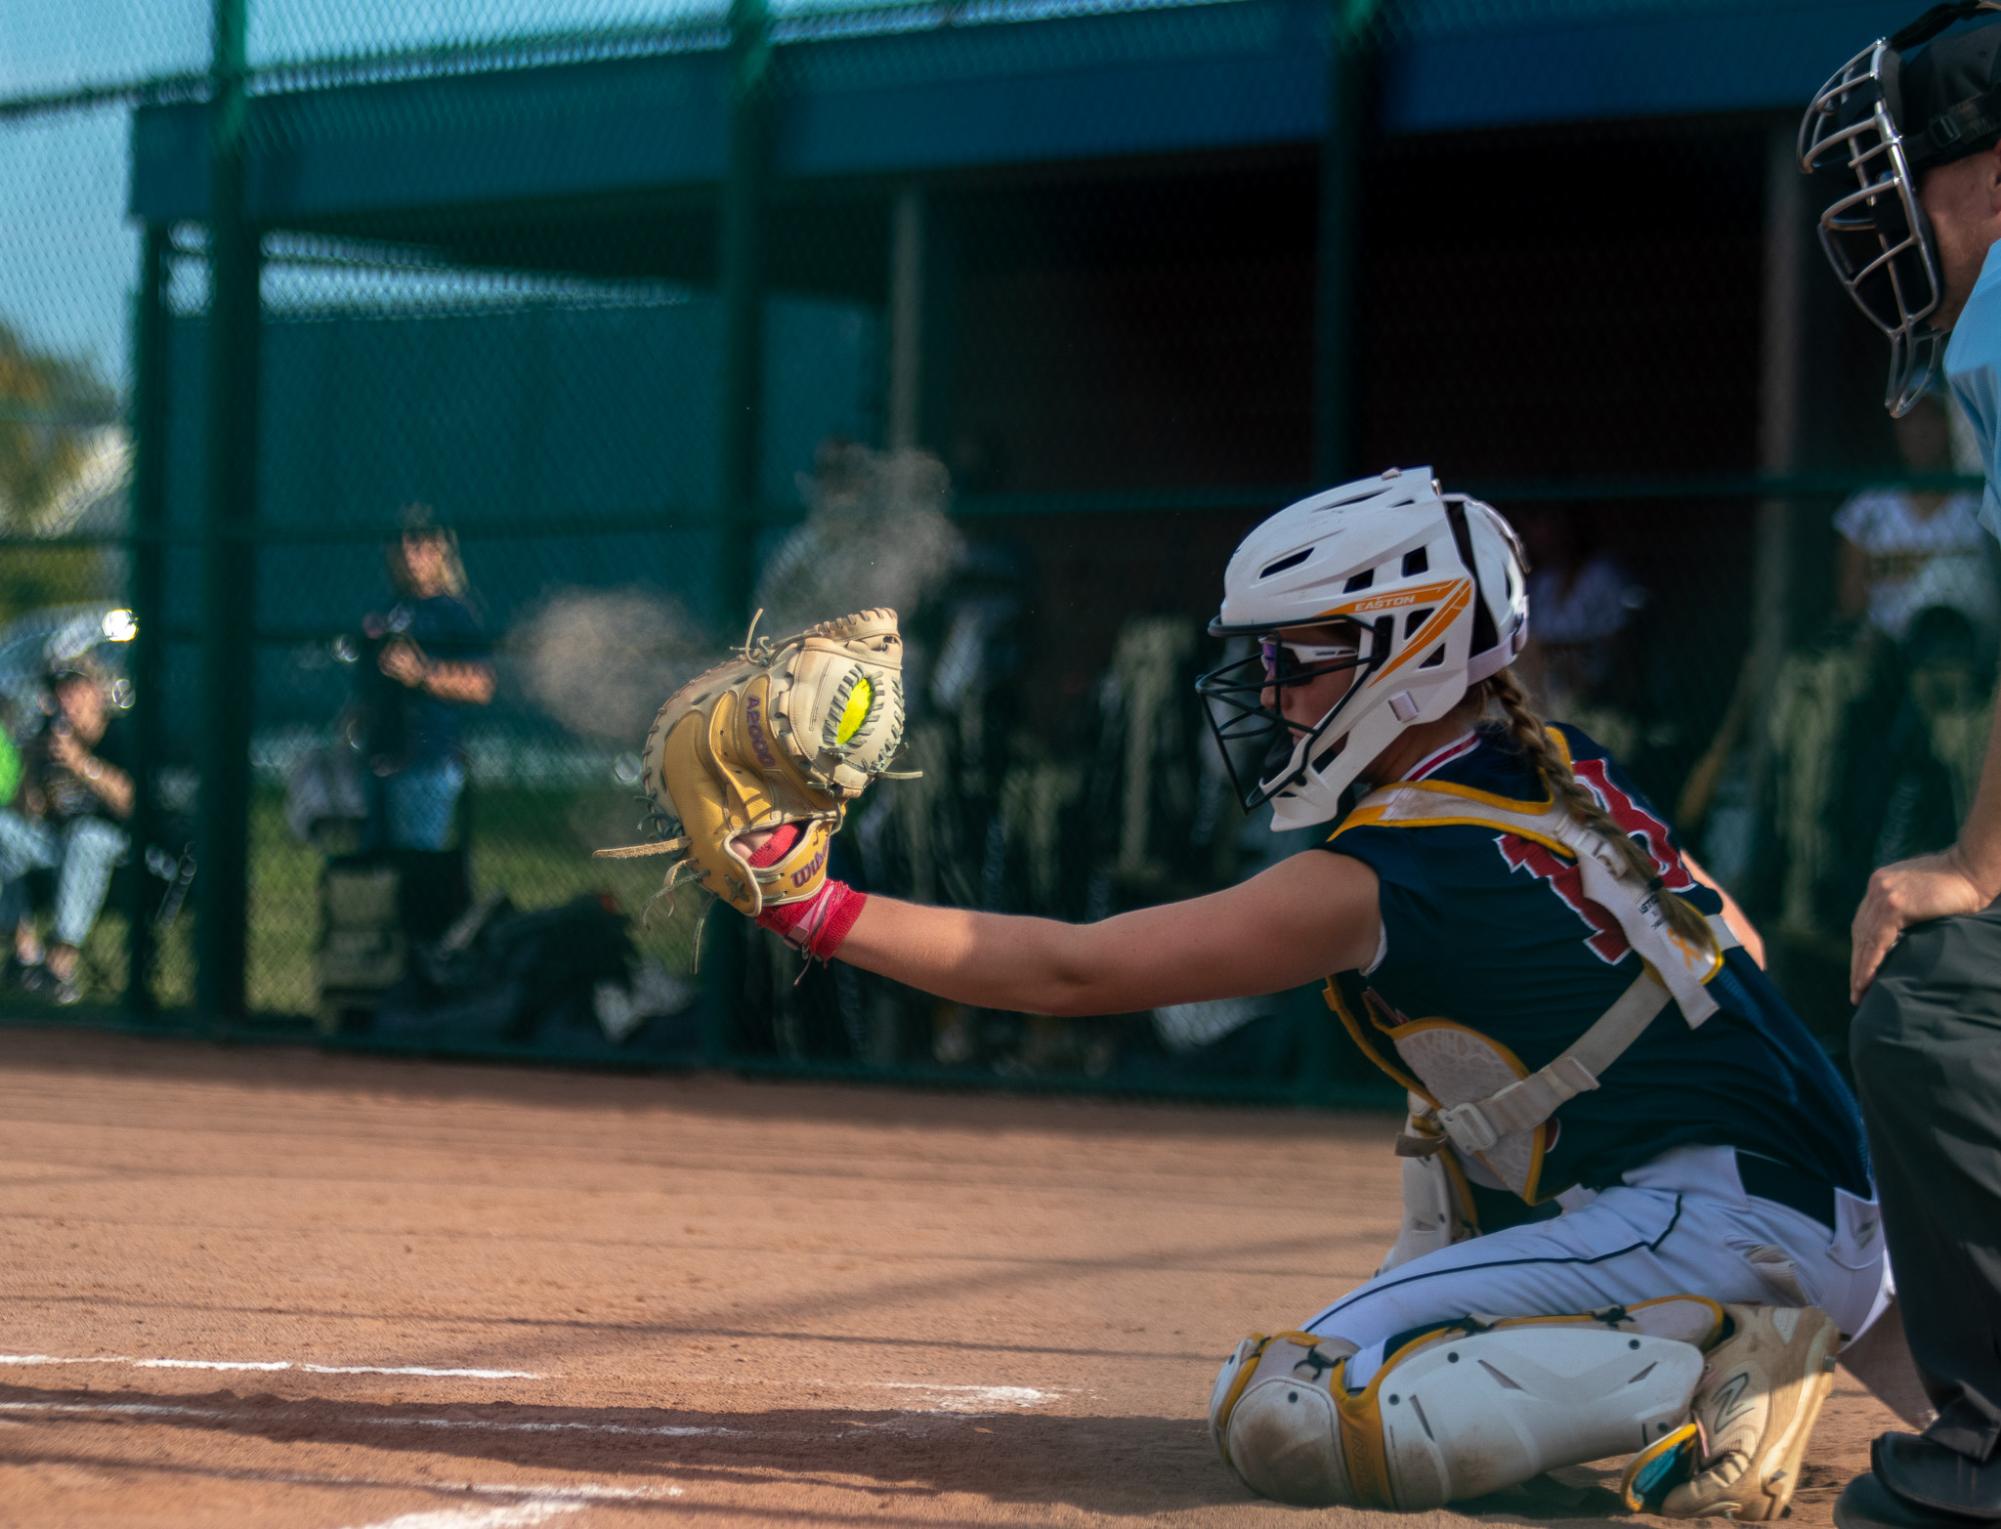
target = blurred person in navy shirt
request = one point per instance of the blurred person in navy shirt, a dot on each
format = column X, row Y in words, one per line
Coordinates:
column 427, row 658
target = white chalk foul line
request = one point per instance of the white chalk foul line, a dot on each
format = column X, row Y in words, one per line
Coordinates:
column 416, row 1369
column 538, row 1504
column 173, row 1410
column 211, row 1364
column 519, row 1515
column 269, row 1365
column 947, row 1398
column 533, row 1505
column 584, row 1494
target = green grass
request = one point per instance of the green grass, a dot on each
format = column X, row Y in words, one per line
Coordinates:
column 533, row 845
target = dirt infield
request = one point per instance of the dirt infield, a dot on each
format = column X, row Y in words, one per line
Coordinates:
column 269, row 1287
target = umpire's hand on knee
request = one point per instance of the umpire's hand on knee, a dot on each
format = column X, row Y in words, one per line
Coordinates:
column 1909, row 892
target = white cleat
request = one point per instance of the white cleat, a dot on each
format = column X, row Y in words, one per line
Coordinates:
column 1752, row 1416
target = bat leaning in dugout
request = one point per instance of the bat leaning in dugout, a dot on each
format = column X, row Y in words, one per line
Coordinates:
column 1638, row 1212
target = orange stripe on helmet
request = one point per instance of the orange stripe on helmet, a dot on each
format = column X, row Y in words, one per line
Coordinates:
column 1443, row 617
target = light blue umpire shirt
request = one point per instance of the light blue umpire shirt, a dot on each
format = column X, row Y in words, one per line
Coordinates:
column 1973, row 369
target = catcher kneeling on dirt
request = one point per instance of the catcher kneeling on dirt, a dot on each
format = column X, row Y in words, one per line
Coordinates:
column 1514, row 935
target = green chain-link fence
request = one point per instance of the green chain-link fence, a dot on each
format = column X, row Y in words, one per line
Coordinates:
column 647, row 306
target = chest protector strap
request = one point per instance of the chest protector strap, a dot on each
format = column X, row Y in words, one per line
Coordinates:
column 1477, row 1121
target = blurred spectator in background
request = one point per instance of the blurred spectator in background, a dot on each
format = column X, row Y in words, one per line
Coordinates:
column 1906, row 549
column 1868, row 745
column 426, row 658
column 1866, row 742
column 1918, row 569
column 1938, row 732
column 68, row 815
column 1586, row 606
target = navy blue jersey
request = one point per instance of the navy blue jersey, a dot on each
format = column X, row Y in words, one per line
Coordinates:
column 1492, row 930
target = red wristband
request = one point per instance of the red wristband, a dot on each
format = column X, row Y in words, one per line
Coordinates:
column 816, row 924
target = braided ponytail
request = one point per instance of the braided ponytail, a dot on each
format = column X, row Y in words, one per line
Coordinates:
column 1531, row 736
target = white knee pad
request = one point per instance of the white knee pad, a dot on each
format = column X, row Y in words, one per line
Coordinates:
column 1457, row 1412
column 1276, row 1420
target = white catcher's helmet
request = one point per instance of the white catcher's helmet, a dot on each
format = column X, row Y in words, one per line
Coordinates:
column 1434, row 582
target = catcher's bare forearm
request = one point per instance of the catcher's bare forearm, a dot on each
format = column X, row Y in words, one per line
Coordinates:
column 1307, row 916
column 993, row 960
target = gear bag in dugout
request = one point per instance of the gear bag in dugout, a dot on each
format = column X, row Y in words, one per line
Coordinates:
column 1495, row 963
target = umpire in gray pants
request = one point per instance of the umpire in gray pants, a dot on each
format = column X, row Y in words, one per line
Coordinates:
column 1907, row 138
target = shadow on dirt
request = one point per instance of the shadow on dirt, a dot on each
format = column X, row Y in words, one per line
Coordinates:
column 1116, row 1466
column 1120, row 1466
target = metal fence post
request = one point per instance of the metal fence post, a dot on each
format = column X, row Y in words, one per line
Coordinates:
column 1776, row 530
column 741, row 271
column 1350, row 118
column 906, row 316
column 146, row 553
column 741, row 265
column 228, row 555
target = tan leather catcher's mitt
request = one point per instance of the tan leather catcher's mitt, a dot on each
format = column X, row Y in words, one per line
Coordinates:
column 784, row 732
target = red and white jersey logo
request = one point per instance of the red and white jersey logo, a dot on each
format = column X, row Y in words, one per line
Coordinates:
column 1606, row 941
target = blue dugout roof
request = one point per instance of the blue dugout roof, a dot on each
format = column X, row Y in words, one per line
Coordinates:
column 982, row 88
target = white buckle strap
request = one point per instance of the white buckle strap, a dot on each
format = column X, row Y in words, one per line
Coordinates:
column 1477, row 1125
column 1466, row 1126
column 1520, row 1106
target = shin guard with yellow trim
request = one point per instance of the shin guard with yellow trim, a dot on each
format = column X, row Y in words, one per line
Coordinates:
column 1460, row 1411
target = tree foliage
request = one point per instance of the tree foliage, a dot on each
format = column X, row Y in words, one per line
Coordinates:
column 58, row 422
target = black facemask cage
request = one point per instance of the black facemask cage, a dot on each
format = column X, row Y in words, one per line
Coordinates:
column 1257, row 740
